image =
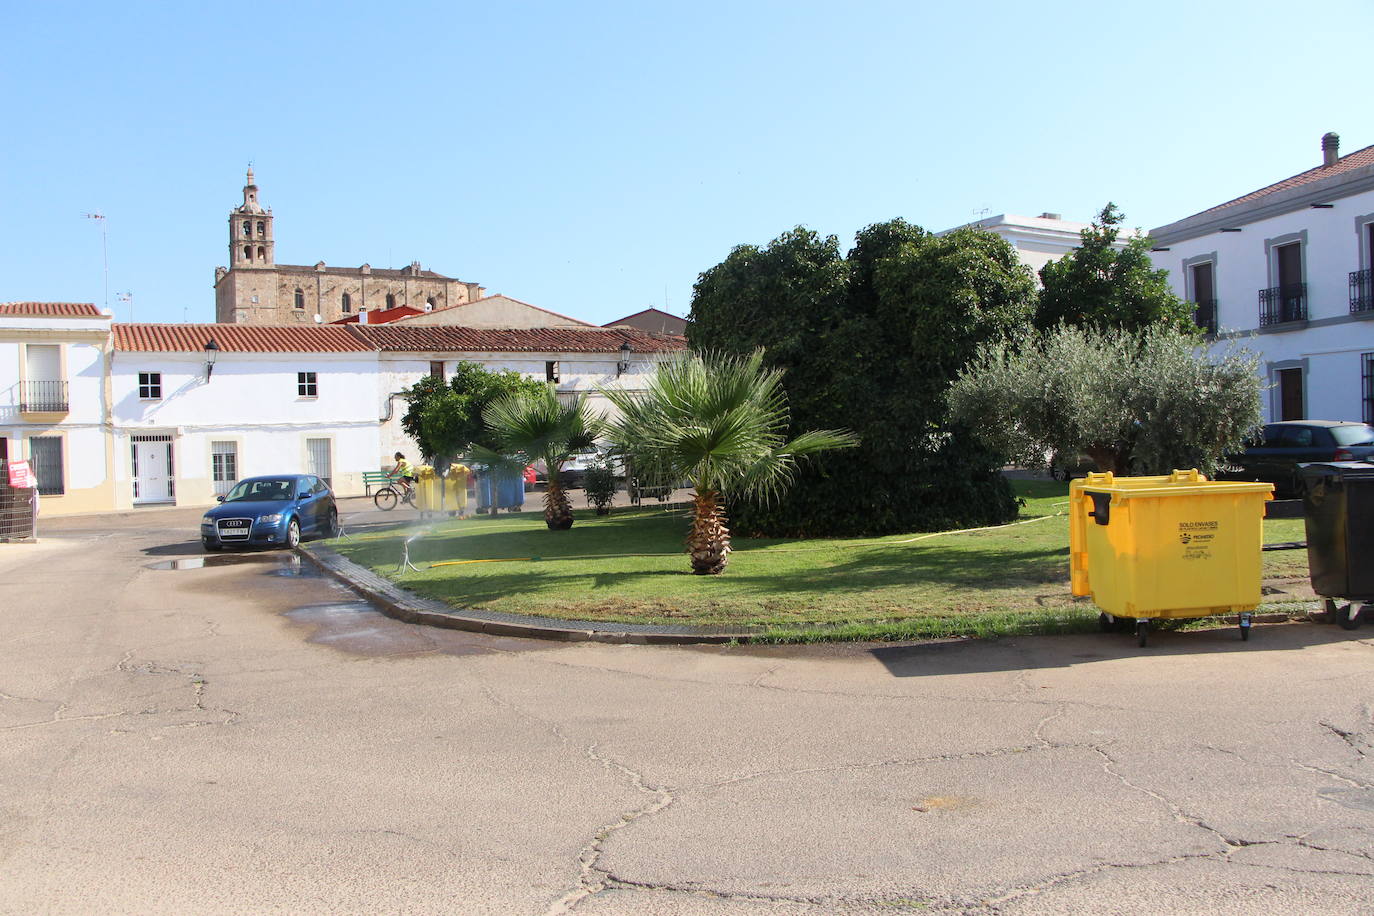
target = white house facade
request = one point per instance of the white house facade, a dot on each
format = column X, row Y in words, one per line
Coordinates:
column 55, row 401
column 273, row 399
column 1039, row 239
column 1287, row 269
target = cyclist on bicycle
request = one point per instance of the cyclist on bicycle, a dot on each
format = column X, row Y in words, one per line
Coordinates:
column 405, row 473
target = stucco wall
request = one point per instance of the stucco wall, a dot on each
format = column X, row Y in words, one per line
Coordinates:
column 494, row 312
column 1330, row 345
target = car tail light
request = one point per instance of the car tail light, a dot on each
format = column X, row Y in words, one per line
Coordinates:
column 1344, row 454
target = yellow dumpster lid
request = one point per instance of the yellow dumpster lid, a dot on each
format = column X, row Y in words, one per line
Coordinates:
column 1190, row 482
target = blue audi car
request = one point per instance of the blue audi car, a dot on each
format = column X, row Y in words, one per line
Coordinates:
column 275, row 511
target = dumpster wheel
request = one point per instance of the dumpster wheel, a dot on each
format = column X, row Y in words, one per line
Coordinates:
column 1105, row 622
column 1142, row 632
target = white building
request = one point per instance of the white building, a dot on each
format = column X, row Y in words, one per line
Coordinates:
column 1039, row 239
column 189, row 418
column 1288, row 267
column 274, row 400
column 55, row 401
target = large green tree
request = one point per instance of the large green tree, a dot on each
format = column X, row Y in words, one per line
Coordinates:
column 870, row 342
column 1139, row 402
column 721, row 423
column 444, row 417
column 1101, row 284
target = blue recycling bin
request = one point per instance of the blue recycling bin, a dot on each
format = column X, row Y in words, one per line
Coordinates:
column 506, row 490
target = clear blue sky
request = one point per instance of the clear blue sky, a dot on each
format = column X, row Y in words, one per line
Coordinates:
column 593, row 158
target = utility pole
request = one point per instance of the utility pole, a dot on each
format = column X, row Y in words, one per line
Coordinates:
column 104, row 253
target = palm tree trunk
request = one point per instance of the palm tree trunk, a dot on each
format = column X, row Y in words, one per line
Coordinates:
column 557, row 510
column 709, row 540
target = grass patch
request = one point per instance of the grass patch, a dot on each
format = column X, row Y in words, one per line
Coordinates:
column 631, row 567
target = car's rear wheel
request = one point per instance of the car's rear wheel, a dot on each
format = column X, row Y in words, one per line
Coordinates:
column 293, row 534
column 331, row 524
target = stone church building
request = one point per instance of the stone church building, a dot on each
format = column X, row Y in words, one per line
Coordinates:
column 256, row 290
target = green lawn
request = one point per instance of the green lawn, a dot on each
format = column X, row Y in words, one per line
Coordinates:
column 631, row 567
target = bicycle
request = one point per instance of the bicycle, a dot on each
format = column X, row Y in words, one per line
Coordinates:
column 388, row 496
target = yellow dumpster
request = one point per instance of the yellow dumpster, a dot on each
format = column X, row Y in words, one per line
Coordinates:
column 1178, row 545
column 437, row 494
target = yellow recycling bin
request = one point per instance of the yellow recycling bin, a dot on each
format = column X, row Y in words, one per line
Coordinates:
column 1161, row 547
column 437, row 494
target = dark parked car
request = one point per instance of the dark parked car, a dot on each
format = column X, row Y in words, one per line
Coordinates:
column 1276, row 453
column 274, row 511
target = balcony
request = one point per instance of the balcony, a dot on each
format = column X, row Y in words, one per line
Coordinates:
column 1205, row 315
column 42, row 397
column 1361, row 292
column 1283, row 304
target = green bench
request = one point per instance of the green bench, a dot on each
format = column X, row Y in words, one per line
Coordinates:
column 375, row 479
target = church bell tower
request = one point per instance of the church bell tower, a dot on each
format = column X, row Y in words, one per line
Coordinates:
column 250, row 231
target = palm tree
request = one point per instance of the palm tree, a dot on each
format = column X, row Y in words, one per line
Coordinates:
column 719, row 422
column 540, row 426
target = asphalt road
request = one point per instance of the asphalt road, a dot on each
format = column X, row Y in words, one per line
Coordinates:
column 244, row 737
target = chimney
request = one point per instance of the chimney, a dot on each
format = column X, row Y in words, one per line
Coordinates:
column 1048, row 215
column 1331, row 144
column 362, row 316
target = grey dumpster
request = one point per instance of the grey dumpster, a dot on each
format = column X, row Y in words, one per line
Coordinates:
column 1338, row 509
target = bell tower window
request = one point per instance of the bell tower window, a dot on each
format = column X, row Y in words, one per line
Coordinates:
column 248, row 228
column 262, row 229
column 262, row 253
column 248, row 252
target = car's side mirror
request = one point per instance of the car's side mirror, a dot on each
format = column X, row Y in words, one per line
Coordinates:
column 220, row 498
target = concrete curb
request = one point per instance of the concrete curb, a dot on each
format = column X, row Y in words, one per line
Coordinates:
column 403, row 605
column 406, row 606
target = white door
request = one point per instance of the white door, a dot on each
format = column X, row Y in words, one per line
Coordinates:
column 152, row 472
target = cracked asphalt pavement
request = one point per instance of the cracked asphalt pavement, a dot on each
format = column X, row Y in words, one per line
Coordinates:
column 242, row 736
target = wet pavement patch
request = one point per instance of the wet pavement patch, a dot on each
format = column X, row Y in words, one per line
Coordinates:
column 358, row 628
column 283, row 564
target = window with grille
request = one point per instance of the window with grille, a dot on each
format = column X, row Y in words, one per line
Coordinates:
column 224, row 466
column 45, row 455
column 150, row 385
column 1367, row 364
column 300, row 298
column 305, row 385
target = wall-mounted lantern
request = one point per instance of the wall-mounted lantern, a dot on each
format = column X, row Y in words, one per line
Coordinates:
column 211, row 354
column 624, row 365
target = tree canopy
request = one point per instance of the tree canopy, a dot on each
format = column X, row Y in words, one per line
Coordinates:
column 1099, row 284
column 870, row 342
column 1135, row 401
column 721, row 423
column 445, row 418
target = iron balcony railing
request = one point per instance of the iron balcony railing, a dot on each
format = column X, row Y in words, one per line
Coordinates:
column 1361, row 291
column 1282, row 304
column 1205, row 315
column 42, row 397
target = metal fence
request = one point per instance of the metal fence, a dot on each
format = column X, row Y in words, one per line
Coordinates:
column 18, row 509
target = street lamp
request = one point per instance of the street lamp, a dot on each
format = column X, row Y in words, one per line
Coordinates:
column 104, row 253
column 211, row 354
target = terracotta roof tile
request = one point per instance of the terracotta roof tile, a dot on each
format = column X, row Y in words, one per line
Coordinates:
column 537, row 340
column 236, row 338
column 1358, row 159
column 51, row 309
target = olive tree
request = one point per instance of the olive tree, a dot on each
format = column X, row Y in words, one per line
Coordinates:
column 1134, row 401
